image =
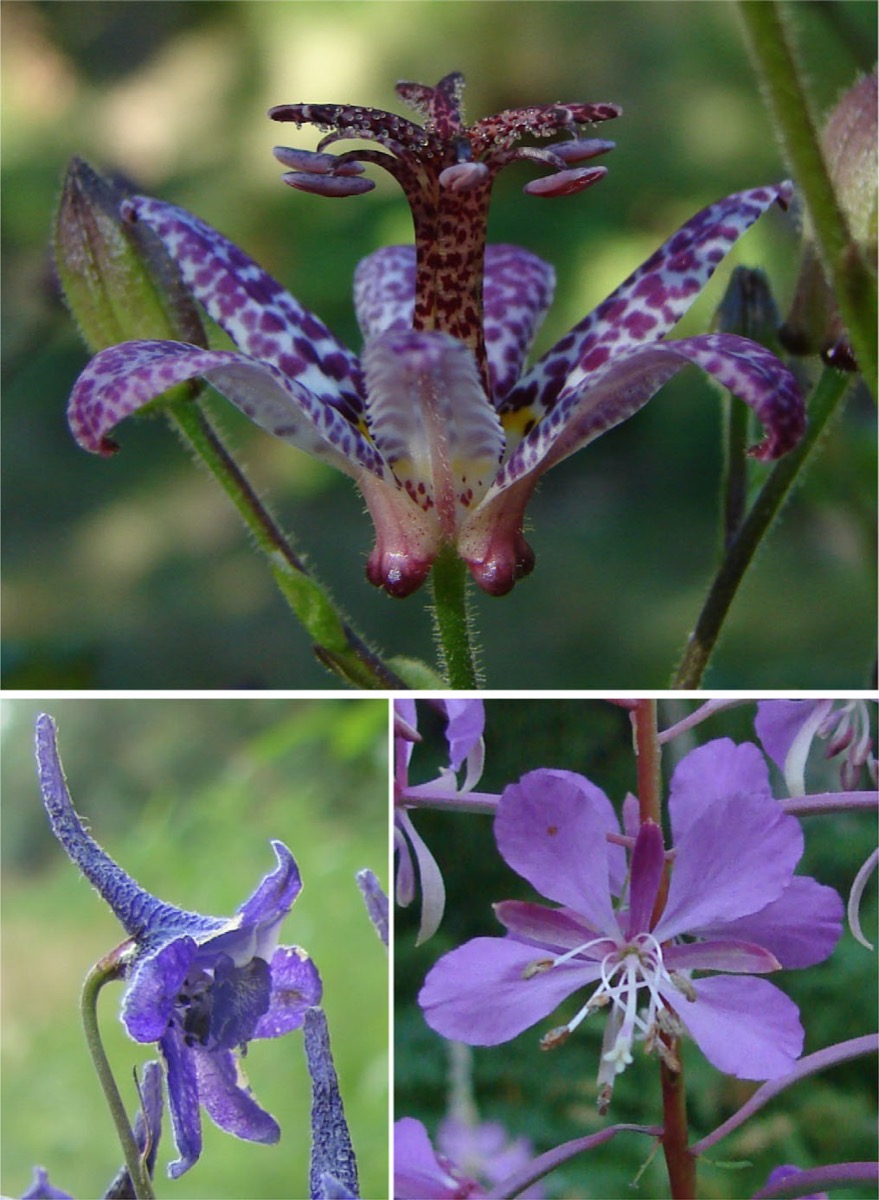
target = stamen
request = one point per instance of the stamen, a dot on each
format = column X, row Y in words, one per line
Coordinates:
column 555, row 1037
column 539, row 967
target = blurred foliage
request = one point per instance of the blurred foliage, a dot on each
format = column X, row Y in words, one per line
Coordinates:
column 186, row 795
column 551, row 1097
column 135, row 572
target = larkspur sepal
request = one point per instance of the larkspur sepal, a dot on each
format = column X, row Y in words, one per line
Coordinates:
column 332, row 1154
column 201, row 987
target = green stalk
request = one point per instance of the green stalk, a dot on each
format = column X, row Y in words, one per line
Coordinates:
column 452, row 620
column 335, row 643
column 700, row 646
column 852, row 278
column 106, row 969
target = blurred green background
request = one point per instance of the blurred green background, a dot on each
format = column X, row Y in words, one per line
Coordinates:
column 551, row 1097
column 135, row 572
column 186, row 795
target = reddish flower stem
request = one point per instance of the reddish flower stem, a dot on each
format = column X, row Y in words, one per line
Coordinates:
column 679, row 1162
column 648, row 756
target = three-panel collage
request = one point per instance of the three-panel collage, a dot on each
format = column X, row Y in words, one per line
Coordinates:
column 438, row 707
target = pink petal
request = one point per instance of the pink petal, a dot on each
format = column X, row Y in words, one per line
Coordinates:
column 712, row 772
column 478, row 994
column 801, row 927
column 742, row 958
column 550, row 827
column 433, row 889
column 560, row 928
column 736, row 857
column 745, row 1027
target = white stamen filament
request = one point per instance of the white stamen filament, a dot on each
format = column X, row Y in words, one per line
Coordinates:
column 625, row 971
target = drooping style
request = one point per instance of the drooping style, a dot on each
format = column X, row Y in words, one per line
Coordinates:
column 201, row 987
column 438, row 421
column 734, row 908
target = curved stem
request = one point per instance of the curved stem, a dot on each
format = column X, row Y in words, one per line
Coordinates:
column 106, row 969
column 336, row 644
column 702, row 640
column 852, row 279
column 452, row 620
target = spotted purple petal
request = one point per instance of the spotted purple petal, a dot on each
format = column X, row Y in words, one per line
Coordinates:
column 431, row 421
column 596, row 400
column 260, row 316
column 517, row 292
column 651, row 301
column 121, row 380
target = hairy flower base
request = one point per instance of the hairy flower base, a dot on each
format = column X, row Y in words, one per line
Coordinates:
column 439, row 422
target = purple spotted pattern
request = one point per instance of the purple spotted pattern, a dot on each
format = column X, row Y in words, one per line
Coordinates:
column 444, row 430
column 446, row 169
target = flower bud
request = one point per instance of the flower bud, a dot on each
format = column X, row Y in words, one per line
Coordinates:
column 117, row 278
column 849, row 143
column 748, row 308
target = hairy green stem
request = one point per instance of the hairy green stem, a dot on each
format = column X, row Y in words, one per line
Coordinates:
column 106, row 969
column 335, row 643
column 452, row 620
column 852, row 278
column 700, row 646
column 735, row 469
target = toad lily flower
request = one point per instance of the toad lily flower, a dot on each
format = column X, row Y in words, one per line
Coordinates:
column 199, row 986
column 439, row 423
column 733, row 906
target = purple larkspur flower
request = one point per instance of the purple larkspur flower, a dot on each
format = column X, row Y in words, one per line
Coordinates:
column 420, row 1173
column 787, row 729
column 42, row 1189
column 439, row 422
column 201, row 987
column 733, row 906
column 465, row 721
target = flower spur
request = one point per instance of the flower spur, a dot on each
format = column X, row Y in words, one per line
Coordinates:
column 439, row 423
column 200, row 986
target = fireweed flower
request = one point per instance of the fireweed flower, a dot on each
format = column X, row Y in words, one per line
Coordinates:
column 420, row 1173
column 485, row 1151
column 733, row 906
column 787, row 729
column 465, row 721
column 200, row 986
column 439, row 423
